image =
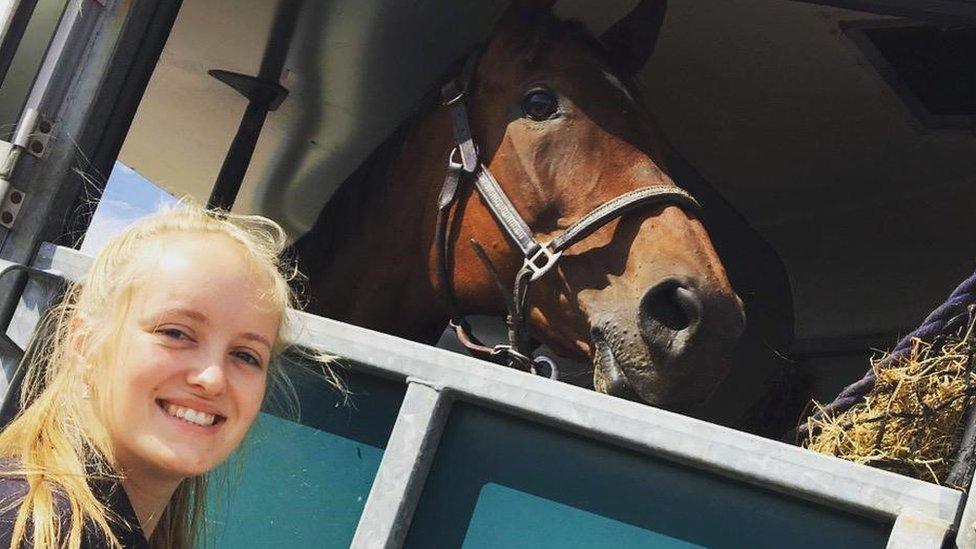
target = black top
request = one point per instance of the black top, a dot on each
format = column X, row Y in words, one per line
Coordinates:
column 109, row 493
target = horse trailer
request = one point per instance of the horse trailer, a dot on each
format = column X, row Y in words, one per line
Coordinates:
column 280, row 101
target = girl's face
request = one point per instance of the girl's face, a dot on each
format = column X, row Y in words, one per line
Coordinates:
column 192, row 366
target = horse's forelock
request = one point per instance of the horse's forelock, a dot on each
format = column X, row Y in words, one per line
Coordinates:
column 550, row 29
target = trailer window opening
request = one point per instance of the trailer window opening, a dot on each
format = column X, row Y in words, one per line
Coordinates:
column 931, row 68
column 128, row 197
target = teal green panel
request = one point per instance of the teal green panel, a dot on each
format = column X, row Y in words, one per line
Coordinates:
column 499, row 521
column 304, row 484
column 499, row 481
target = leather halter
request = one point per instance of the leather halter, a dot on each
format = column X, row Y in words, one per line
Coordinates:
column 538, row 257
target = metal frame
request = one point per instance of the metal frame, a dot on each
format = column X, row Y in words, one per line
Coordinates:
column 399, row 481
column 921, row 513
column 90, row 82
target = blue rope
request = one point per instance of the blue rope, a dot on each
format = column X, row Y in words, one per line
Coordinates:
column 948, row 317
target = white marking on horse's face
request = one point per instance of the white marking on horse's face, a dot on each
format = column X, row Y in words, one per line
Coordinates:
column 615, row 82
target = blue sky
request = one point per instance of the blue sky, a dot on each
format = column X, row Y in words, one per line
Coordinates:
column 128, row 196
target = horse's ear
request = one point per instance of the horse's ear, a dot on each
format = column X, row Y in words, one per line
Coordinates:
column 631, row 40
column 535, row 5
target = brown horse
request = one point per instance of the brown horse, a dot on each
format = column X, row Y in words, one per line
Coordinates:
column 557, row 121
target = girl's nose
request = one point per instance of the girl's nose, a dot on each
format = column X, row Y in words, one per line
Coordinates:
column 210, row 379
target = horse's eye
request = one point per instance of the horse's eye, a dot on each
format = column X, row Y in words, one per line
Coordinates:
column 539, row 104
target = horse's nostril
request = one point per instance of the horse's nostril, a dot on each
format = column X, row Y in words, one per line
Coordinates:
column 672, row 305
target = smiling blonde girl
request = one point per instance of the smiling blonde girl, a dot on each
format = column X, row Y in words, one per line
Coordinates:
column 157, row 364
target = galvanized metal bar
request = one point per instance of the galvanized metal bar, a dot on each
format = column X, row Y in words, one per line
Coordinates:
column 147, row 29
column 37, row 300
column 62, row 261
column 966, row 527
column 38, row 296
column 788, row 469
column 705, row 446
column 403, row 471
column 13, row 23
column 8, row 348
column 61, row 60
column 915, row 532
column 50, row 87
column 39, row 292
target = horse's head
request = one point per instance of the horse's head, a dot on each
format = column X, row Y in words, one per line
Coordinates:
column 560, row 126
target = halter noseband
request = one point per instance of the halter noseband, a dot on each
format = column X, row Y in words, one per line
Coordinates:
column 538, row 257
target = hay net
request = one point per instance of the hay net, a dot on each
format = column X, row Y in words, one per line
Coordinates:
column 913, row 419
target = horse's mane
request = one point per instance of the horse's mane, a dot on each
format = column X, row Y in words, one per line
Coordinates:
column 338, row 218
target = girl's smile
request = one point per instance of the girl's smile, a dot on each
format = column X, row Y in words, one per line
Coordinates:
column 190, row 414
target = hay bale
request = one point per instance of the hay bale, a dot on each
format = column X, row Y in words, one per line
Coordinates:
column 913, row 419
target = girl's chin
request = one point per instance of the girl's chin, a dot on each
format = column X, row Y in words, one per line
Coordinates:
column 176, row 462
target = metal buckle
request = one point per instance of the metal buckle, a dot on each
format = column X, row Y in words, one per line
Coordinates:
column 515, row 358
column 542, row 254
column 455, row 164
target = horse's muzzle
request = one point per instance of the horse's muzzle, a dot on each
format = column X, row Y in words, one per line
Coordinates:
column 689, row 327
column 685, row 331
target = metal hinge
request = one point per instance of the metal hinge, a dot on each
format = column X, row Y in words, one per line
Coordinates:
column 33, row 133
column 32, row 136
column 10, row 206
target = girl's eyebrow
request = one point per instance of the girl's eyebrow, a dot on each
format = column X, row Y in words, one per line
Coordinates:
column 256, row 337
column 157, row 318
column 179, row 311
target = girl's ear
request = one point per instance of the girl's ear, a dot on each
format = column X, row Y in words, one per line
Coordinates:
column 75, row 335
column 76, row 345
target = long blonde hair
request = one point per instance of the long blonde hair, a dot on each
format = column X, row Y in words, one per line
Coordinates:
column 53, row 443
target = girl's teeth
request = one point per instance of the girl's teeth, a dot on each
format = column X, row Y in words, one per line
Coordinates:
column 192, row 416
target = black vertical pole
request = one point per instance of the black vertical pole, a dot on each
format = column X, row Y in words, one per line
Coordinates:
column 238, row 157
column 264, row 94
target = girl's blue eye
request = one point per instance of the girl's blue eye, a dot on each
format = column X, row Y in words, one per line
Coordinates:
column 172, row 333
column 248, row 358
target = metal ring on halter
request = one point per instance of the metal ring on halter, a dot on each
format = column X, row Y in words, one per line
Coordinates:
column 553, row 370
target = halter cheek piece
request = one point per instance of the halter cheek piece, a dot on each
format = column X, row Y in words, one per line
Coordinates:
column 538, row 257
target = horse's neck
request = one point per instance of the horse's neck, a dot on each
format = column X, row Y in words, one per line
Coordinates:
column 378, row 277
